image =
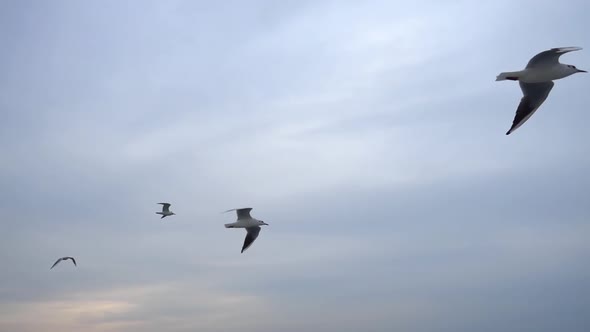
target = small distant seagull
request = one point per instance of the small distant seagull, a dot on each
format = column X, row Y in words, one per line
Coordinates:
column 165, row 210
column 536, row 81
column 251, row 225
column 63, row 259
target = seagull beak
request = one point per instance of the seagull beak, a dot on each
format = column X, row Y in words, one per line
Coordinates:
column 264, row 223
column 581, row 71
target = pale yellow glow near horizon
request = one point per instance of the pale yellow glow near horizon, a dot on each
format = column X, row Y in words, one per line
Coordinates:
column 140, row 308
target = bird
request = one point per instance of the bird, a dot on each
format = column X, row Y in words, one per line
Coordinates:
column 536, row 81
column 63, row 259
column 165, row 210
column 251, row 225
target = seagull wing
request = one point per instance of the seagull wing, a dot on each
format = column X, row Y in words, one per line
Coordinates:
column 73, row 260
column 165, row 207
column 534, row 94
column 243, row 213
column 250, row 237
column 550, row 57
column 54, row 264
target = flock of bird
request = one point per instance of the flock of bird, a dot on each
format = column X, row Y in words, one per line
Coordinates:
column 536, row 81
column 252, row 226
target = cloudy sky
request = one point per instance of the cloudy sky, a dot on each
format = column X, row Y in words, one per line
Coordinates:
column 369, row 135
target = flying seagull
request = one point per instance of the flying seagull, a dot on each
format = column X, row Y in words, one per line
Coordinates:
column 251, row 225
column 536, row 81
column 63, row 259
column 165, row 210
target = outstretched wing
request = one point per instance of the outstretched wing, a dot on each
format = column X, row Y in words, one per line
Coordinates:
column 165, row 207
column 243, row 213
column 550, row 57
column 250, row 237
column 73, row 260
column 54, row 264
column 534, row 94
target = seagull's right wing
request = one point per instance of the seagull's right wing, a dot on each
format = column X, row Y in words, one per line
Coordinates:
column 54, row 264
column 550, row 57
column 534, row 95
column 250, row 237
column 165, row 207
column 73, row 260
column 243, row 213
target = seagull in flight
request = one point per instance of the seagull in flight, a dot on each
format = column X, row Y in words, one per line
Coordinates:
column 251, row 225
column 536, row 81
column 165, row 210
column 63, row 259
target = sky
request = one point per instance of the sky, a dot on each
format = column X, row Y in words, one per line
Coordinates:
column 369, row 135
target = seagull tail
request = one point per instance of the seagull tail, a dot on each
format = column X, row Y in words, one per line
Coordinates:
column 229, row 226
column 511, row 75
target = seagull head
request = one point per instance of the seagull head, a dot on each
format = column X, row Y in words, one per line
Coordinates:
column 575, row 70
column 260, row 222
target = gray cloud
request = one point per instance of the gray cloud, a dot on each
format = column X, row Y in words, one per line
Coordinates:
column 370, row 136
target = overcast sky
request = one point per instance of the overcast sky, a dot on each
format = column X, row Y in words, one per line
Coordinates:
column 369, row 135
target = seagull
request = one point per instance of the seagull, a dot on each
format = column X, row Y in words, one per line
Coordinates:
column 536, row 81
column 165, row 210
column 63, row 259
column 251, row 225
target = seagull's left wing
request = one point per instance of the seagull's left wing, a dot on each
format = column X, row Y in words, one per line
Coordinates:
column 165, row 207
column 550, row 57
column 73, row 260
column 534, row 95
column 242, row 213
column 250, row 237
column 54, row 264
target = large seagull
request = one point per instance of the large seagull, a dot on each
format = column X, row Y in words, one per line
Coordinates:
column 251, row 225
column 536, row 81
